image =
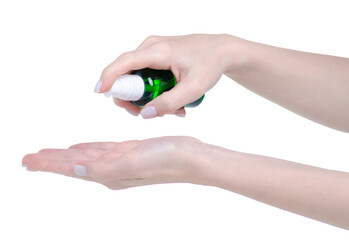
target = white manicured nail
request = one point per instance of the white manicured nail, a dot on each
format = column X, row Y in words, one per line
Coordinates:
column 148, row 112
column 180, row 115
column 98, row 86
column 80, row 170
column 30, row 170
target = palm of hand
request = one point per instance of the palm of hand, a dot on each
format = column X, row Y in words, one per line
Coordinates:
column 119, row 165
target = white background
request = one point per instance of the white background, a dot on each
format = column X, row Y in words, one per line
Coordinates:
column 51, row 56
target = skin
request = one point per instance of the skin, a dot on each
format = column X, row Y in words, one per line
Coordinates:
column 312, row 85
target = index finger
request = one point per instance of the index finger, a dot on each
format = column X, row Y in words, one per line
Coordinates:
column 137, row 59
column 61, row 161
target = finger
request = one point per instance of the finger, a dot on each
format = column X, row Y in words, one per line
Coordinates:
column 92, row 152
column 73, row 163
column 94, row 145
column 180, row 112
column 59, row 162
column 107, row 146
column 149, row 57
column 169, row 102
column 131, row 108
column 151, row 40
column 59, row 154
column 50, row 150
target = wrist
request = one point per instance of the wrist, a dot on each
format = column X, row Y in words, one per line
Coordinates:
column 238, row 55
column 205, row 162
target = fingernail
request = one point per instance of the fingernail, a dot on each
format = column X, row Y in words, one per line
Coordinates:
column 24, row 165
column 80, row 170
column 30, row 170
column 148, row 112
column 98, row 86
column 180, row 115
column 132, row 112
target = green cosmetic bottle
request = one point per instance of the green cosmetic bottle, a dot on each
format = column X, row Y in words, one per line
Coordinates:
column 142, row 86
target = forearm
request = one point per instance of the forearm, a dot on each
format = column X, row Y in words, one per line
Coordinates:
column 313, row 85
column 309, row 191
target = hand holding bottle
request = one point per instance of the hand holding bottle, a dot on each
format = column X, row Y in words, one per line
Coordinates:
column 299, row 81
column 197, row 61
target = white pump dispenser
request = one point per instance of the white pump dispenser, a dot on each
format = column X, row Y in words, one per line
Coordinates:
column 127, row 87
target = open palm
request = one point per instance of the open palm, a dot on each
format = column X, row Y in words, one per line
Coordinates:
column 120, row 165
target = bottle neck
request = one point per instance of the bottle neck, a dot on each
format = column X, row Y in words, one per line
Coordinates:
column 127, row 87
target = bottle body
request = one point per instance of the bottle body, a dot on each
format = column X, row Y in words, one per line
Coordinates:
column 142, row 86
column 155, row 83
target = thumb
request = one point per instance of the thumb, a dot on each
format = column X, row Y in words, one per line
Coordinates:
column 169, row 102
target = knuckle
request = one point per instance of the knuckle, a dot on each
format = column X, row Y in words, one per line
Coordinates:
column 152, row 38
column 129, row 59
column 126, row 56
column 107, row 70
column 164, row 47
